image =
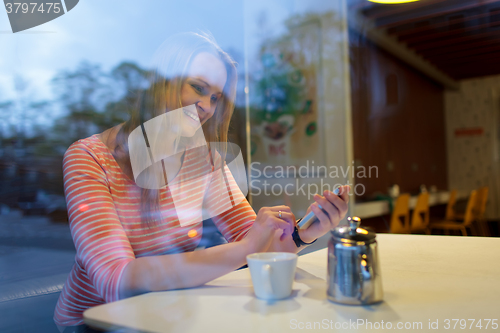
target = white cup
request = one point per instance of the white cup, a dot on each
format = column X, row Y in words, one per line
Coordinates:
column 272, row 274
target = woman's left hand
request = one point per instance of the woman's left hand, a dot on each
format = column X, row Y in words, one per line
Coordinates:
column 336, row 208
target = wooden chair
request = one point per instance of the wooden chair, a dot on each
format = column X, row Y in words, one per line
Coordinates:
column 450, row 207
column 478, row 211
column 482, row 200
column 461, row 226
column 420, row 216
column 400, row 219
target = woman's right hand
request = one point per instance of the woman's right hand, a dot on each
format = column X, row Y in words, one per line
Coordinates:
column 266, row 224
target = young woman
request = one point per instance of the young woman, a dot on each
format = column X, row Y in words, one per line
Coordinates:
column 129, row 239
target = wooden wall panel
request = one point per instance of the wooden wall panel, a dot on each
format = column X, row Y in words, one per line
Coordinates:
column 404, row 139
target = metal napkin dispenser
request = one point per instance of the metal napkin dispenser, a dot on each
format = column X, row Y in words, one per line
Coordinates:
column 353, row 265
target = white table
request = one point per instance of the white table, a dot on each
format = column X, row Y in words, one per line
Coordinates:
column 425, row 278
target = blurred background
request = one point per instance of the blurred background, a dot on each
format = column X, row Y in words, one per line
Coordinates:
column 400, row 100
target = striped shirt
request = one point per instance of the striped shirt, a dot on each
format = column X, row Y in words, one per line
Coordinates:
column 104, row 209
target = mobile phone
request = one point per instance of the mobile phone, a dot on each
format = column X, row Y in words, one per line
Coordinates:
column 310, row 218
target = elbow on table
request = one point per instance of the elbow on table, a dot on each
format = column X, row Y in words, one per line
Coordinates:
column 133, row 281
column 143, row 275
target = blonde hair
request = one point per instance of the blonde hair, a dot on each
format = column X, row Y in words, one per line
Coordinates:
column 171, row 63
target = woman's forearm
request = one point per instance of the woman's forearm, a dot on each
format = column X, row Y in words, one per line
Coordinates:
column 287, row 244
column 192, row 269
column 182, row 270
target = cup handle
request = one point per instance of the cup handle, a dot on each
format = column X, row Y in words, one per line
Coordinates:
column 266, row 273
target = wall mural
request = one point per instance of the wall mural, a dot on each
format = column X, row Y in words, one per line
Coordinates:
column 285, row 102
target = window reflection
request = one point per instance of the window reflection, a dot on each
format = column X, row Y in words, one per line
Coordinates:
column 390, row 99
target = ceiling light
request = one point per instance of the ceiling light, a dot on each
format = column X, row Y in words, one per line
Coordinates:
column 391, row 2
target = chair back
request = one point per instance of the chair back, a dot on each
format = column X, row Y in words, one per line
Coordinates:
column 450, row 207
column 482, row 200
column 420, row 216
column 470, row 214
column 400, row 219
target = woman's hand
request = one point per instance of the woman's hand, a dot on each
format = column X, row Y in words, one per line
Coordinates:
column 336, row 209
column 266, row 224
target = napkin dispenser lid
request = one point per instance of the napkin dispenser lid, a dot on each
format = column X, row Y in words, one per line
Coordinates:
column 353, row 233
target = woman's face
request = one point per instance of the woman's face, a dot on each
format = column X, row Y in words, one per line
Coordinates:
column 202, row 87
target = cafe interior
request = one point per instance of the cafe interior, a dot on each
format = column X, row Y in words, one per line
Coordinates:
column 398, row 99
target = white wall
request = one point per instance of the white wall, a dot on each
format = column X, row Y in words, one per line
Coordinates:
column 473, row 161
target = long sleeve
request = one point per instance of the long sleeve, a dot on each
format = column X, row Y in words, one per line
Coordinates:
column 232, row 213
column 103, row 249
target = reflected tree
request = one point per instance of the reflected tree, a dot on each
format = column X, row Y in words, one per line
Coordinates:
column 36, row 133
column 81, row 95
column 93, row 101
column 129, row 80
